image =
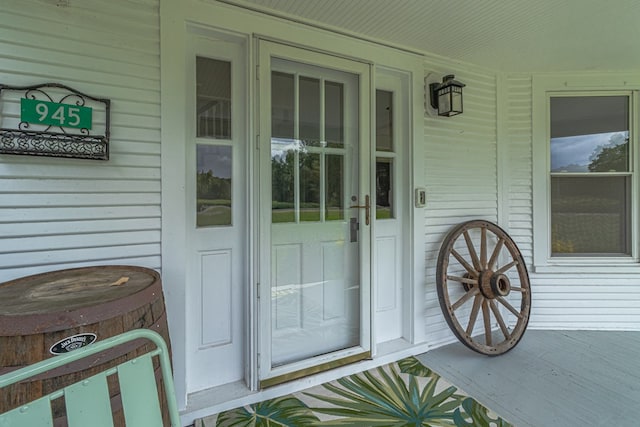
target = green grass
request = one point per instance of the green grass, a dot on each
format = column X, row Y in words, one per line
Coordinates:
column 288, row 215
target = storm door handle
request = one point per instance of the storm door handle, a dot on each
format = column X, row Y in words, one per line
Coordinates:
column 367, row 208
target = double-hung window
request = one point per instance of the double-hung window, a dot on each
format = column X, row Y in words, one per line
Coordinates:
column 585, row 180
column 590, row 175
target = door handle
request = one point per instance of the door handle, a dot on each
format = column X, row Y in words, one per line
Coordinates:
column 367, row 208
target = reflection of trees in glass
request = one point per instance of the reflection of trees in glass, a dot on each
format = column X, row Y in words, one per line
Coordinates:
column 282, row 178
column 611, row 157
column 310, row 179
column 309, row 185
column 212, row 187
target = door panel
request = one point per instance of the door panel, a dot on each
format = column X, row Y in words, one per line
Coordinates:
column 315, row 299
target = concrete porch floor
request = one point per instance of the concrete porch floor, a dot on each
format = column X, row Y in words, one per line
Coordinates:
column 552, row 378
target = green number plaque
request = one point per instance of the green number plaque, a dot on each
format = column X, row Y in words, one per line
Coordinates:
column 54, row 114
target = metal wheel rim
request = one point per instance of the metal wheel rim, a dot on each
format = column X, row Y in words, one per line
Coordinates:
column 493, row 292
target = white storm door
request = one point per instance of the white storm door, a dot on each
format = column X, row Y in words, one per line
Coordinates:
column 216, row 212
column 315, row 212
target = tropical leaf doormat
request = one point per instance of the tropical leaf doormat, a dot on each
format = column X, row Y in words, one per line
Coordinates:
column 405, row 393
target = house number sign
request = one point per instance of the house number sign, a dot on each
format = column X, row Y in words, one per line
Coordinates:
column 52, row 119
column 55, row 114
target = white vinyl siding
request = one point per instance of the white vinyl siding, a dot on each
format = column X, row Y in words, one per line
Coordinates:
column 518, row 165
column 591, row 297
column 60, row 213
column 460, row 166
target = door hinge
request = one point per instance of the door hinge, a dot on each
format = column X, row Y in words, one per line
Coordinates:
column 258, row 142
column 258, row 290
column 257, row 72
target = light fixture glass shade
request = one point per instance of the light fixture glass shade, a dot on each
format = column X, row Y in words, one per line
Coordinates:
column 447, row 96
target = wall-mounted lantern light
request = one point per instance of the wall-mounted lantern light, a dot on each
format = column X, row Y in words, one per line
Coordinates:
column 446, row 97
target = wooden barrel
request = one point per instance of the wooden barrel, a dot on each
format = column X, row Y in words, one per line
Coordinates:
column 62, row 310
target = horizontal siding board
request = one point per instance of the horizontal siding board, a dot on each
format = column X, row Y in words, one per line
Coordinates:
column 74, row 241
column 28, row 168
column 53, row 214
column 43, row 186
column 79, row 199
column 94, row 254
column 62, row 228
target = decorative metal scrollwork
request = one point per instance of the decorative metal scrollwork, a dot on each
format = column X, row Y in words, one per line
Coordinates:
column 18, row 136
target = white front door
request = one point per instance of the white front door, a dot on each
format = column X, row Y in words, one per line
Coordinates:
column 315, row 212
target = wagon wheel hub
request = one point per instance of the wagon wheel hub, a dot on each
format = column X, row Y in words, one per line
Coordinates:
column 494, row 285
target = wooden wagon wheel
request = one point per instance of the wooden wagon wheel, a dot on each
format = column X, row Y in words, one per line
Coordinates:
column 480, row 269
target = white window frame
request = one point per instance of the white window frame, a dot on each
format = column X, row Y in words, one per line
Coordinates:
column 544, row 87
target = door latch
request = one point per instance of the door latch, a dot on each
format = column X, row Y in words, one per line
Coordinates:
column 367, row 208
column 353, row 230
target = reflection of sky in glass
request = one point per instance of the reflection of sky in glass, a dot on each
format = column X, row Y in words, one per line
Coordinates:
column 574, row 153
column 280, row 147
column 216, row 159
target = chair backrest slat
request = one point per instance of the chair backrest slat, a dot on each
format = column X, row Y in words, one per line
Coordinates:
column 88, row 403
column 36, row 413
column 138, row 390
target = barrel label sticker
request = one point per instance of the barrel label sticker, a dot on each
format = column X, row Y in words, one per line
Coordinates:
column 74, row 342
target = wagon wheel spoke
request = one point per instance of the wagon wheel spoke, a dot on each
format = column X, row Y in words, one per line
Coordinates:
column 510, row 307
column 478, row 261
column 498, row 316
column 472, row 251
column 507, row 267
column 483, row 247
column 494, row 255
column 464, row 263
column 466, row 297
column 487, row 322
column 474, row 314
column 467, row 280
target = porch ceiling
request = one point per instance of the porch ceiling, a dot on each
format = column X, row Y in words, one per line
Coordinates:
column 506, row 35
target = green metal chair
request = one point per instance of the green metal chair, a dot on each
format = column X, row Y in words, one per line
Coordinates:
column 87, row 402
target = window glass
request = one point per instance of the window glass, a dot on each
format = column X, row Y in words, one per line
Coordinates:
column 385, row 146
column 590, row 216
column 309, row 101
column 334, row 114
column 384, row 188
column 282, row 183
column 213, row 185
column 309, row 187
column 590, row 134
column 384, row 120
column 213, row 98
column 282, row 105
column 334, row 187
